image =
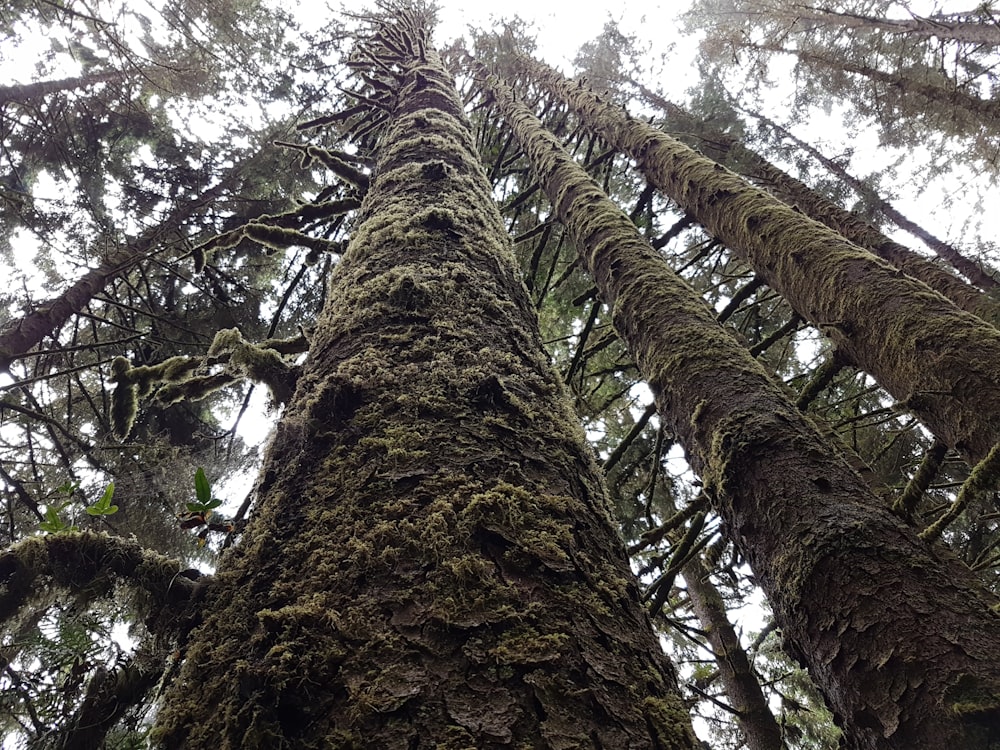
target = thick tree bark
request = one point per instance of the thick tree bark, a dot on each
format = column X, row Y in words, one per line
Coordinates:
column 729, row 151
column 898, row 635
column 939, row 361
column 432, row 562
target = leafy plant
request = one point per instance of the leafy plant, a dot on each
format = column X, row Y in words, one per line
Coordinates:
column 54, row 524
column 203, row 491
column 198, row 512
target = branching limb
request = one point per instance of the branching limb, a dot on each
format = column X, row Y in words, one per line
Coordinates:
column 984, row 477
column 88, row 561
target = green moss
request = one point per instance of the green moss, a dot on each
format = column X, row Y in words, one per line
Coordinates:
column 525, row 645
column 975, row 700
column 669, row 722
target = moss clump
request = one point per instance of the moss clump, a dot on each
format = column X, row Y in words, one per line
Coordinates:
column 525, row 645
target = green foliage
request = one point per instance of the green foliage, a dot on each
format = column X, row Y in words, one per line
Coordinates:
column 103, row 507
column 203, row 491
column 54, row 523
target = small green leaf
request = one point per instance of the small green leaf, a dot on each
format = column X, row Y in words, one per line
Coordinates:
column 215, row 503
column 53, row 523
column 201, row 486
column 103, row 507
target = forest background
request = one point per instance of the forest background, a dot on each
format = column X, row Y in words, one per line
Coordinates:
column 150, row 169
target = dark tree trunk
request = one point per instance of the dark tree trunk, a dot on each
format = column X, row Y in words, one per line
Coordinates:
column 896, row 633
column 432, row 562
column 760, row 728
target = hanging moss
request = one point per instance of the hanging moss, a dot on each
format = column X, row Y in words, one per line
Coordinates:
column 124, row 399
column 265, row 365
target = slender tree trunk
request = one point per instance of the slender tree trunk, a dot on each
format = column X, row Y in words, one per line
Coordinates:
column 941, row 362
column 986, row 110
column 915, row 26
column 727, row 150
column 432, row 562
column 760, row 728
column 22, row 92
column 870, row 608
column 970, row 268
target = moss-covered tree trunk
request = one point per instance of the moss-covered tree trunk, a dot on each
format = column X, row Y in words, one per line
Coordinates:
column 432, row 562
column 729, row 151
column 897, row 634
column 939, row 361
column 971, row 269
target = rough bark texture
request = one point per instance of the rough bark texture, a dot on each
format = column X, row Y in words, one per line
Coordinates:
column 941, row 362
column 760, row 728
column 727, row 150
column 897, row 634
column 432, row 563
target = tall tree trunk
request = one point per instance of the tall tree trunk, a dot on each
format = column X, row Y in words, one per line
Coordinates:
column 760, row 728
column 432, row 561
column 916, row 26
column 873, row 611
column 970, row 268
column 941, row 362
column 729, row 151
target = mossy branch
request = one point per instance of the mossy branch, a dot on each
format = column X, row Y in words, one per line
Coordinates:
column 277, row 232
column 87, row 562
column 687, row 548
column 260, row 363
column 174, row 379
column 906, row 503
column 822, row 377
column 335, row 161
column 654, row 536
column 984, row 478
column 339, row 167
